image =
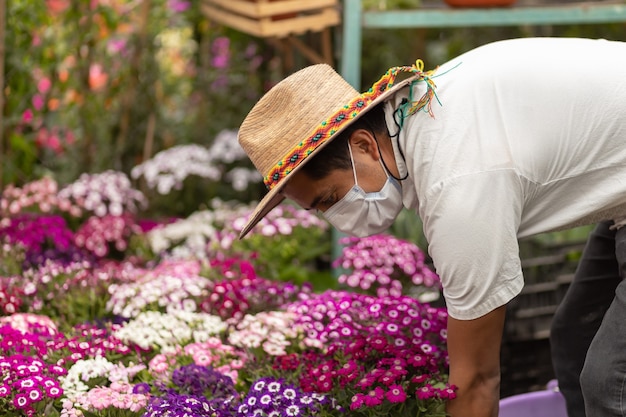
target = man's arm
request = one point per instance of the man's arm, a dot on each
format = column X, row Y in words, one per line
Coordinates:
column 474, row 351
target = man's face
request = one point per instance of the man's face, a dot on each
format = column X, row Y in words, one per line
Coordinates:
column 321, row 194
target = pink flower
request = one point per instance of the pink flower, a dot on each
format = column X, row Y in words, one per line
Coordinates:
column 202, row 359
column 43, row 86
column 27, row 116
column 159, row 367
column 38, row 102
column 116, row 46
column 120, row 401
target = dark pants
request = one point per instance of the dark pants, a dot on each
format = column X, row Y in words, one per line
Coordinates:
column 588, row 336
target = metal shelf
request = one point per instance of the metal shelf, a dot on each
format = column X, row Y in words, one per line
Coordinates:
column 355, row 19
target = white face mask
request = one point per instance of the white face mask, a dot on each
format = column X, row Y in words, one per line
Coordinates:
column 364, row 214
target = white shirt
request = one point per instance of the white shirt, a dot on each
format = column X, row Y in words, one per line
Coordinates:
column 530, row 137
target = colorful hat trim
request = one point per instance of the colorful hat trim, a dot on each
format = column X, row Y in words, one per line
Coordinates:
column 345, row 116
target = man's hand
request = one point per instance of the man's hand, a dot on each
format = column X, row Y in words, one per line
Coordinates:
column 474, row 351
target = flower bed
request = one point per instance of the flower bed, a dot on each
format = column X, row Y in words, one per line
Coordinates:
column 104, row 314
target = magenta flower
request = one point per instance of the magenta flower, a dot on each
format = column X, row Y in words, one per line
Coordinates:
column 21, row 401
column 34, row 394
column 221, row 52
column 357, row 401
column 448, row 392
column 348, row 368
column 374, row 397
column 378, row 342
column 425, row 392
column 396, row 394
column 178, row 6
column 389, row 377
column 366, row 382
column 325, row 383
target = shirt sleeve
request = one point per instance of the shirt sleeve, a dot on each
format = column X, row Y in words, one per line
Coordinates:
column 471, row 224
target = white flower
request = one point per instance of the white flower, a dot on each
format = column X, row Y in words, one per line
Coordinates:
column 165, row 290
column 168, row 169
column 271, row 330
column 81, row 372
column 241, row 178
column 167, row 331
column 104, row 193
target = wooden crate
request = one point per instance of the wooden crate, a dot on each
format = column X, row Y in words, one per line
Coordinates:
column 273, row 18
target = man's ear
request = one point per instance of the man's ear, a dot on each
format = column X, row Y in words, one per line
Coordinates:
column 362, row 140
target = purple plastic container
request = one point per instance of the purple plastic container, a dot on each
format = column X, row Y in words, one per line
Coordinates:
column 547, row 403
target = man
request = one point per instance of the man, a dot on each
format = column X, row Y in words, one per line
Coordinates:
column 509, row 140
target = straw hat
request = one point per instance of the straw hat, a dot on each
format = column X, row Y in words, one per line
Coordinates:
column 300, row 115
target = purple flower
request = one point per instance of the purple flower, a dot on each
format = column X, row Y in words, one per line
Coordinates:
column 174, row 404
column 269, row 396
column 201, row 380
column 141, row 388
column 221, row 52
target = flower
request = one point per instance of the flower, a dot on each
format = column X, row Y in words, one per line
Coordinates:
column 174, row 285
column 201, row 380
column 168, row 169
column 385, row 265
column 165, row 331
column 38, row 196
column 100, row 235
column 270, row 395
column 275, row 332
column 396, row 394
column 200, row 329
column 42, row 236
column 109, row 192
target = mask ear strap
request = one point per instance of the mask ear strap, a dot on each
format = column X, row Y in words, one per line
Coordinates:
column 353, row 167
column 382, row 160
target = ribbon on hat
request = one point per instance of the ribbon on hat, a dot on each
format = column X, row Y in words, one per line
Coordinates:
column 348, row 113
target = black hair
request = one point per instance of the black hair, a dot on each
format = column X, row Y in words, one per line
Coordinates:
column 335, row 154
